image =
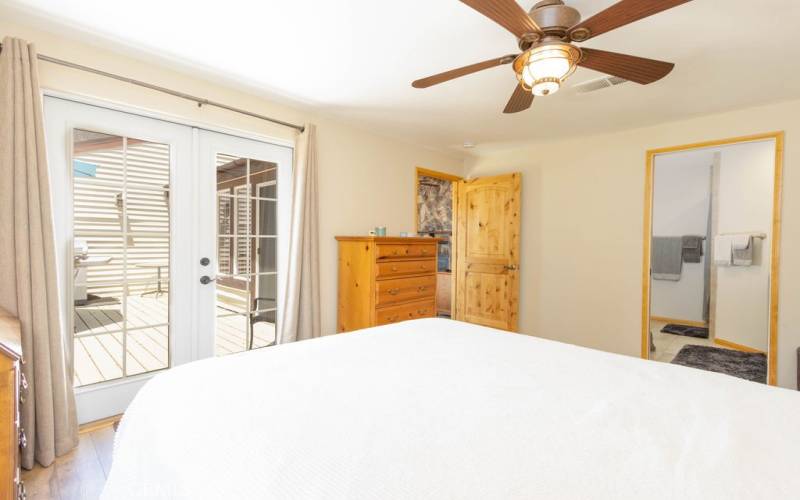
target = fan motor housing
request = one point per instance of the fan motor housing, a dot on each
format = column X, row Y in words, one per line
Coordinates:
column 554, row 18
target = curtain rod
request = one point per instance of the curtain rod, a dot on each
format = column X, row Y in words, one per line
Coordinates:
column 199, row 100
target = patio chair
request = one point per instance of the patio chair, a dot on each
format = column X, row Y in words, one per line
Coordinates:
column 262, row 317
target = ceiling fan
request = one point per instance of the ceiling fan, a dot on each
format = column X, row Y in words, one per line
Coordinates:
column 545, row 36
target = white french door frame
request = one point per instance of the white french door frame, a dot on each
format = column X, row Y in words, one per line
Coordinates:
column 110, row 398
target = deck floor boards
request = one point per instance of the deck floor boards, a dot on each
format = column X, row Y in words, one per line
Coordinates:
column 98, row 358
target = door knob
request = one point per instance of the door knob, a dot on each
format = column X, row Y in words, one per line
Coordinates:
column 510, row 267
column 205, row 280
column 205, row 261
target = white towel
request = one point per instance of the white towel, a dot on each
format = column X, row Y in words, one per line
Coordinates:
column 723, row 250
column 743, row 250
column 741, row 241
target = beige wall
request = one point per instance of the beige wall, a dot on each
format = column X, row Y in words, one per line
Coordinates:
column 365, row 179
column 582, row 228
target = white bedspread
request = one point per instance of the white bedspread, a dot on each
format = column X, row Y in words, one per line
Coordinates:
column 435, row 409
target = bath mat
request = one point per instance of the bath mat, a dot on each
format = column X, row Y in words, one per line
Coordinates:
column 687, row 331
column 746, row 365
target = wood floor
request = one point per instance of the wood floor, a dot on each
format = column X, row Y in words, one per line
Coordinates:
column 78, row 475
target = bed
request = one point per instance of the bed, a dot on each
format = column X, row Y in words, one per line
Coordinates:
column 437, row 409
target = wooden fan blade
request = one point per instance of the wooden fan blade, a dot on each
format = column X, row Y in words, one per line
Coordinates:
column 635, row 69
column 520, row 100
column 506, row 13
column 466, row 70
column 620, row 14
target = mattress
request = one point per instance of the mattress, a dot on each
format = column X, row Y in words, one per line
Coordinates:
column 438, row 409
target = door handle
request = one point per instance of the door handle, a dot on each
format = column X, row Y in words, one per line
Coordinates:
column 510, row 267
column 205, row 280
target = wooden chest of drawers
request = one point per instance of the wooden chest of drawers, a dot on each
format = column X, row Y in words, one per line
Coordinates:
column 385, row 280
column 12, row 388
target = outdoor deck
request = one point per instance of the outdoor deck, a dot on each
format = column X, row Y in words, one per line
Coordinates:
column 99, row 357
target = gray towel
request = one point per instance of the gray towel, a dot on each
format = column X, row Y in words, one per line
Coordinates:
column 667, row 258
column 692, row 249
column 744, row 257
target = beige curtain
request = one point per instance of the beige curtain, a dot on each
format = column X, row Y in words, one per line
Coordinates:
column 301, row 315
column 28, row 282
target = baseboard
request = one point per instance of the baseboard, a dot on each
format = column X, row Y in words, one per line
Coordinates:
column 683, row 322
column 737, row 347
column 99, row 424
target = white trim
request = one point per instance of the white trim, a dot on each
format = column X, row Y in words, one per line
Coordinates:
column 131, row 379
column 104, row 399
column 166, row 117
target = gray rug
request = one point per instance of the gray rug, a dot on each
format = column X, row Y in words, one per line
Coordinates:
column 746, row 365
column 686, row 331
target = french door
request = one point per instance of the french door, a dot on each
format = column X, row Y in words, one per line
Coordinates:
column 168, row 241
column 243, row 187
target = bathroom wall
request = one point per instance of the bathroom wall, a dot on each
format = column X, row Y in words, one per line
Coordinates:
column 681, row 197
column 745, row 198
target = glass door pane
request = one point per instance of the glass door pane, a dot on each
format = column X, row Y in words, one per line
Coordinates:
column 246, row 287
column 120, row 269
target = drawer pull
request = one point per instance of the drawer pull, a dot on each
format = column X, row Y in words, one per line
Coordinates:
column 422, row 288
column 394, row 268
column 392, row 319
column 424, row 251
column 422, row 311
column 393, row 291
column 23, row 440
column 21, row 493
column 23, row 382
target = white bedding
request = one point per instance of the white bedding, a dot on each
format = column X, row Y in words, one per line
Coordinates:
column 435, row 409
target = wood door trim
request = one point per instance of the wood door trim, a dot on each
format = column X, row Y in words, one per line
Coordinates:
column 779, row 138
column 737, row 347
column 678, row 321
column 438, row 175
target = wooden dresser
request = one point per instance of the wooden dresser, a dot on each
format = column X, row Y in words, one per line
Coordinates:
column 12, row 388
column 385, row 280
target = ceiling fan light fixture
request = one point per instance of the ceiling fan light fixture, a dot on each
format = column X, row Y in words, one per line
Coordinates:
column 544, row 68
column 545, row 87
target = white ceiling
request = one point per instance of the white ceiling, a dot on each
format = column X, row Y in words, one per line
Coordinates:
column 356, row 59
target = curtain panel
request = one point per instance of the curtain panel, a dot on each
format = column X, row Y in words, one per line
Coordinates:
column 29, row 287
column 301, row 317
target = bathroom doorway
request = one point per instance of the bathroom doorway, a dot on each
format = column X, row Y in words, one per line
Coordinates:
column 712, row 236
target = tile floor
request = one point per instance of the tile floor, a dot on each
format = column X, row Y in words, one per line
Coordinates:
column 668, row 345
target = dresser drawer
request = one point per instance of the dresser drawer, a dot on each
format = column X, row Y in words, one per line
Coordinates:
column 404, row 251
column 404, row 289
column 405, row 312
column 399, row 268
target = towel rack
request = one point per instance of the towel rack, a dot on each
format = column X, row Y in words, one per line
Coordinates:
column 759, row 236
column 654, row 236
